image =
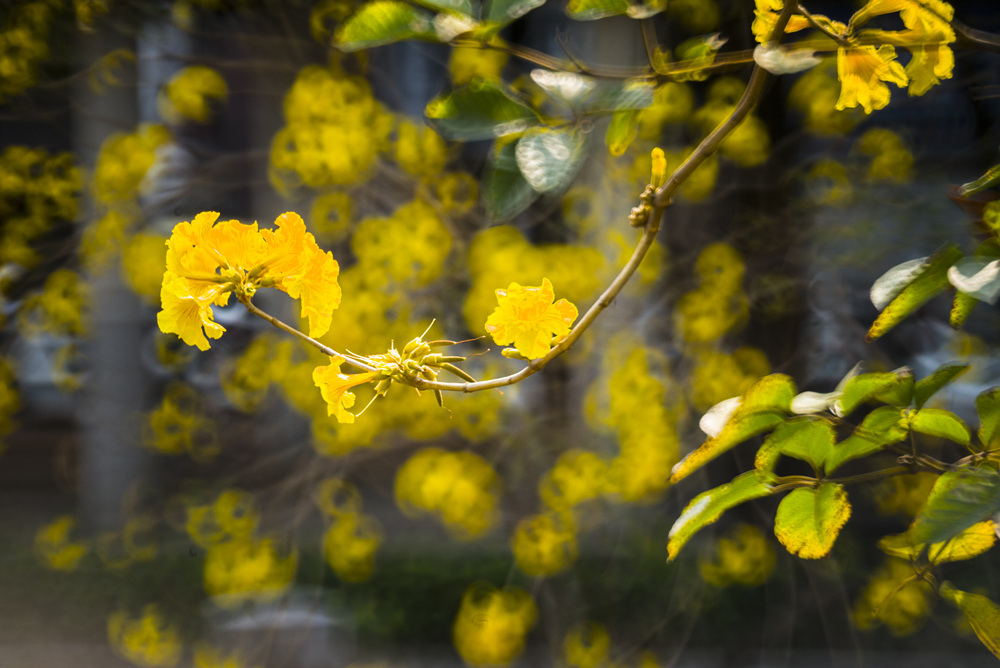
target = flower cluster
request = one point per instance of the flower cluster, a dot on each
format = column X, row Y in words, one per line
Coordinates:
column 54, row 547
column 335, row 130
column 36, row 191
column 179, row 425
column 23, row 45
column 208, row 261
column 864, row 69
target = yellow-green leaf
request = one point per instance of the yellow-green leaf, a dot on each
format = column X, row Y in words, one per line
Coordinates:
column 982, row 613
column 896, row 386
column 810, row 518
column 941, row 423
column 958, row 500
column 480, row 110
column 970, row 543
column 929, row 385
column 883, row 426
column 808, row 439
column 961, row 307
column 588, row 10
column 762, row 407
column 989, row 179
column 383, row 22
column 708, row 506
column 988, row 408
column 930, row 280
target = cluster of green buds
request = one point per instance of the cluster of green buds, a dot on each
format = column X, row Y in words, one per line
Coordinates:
column 418, row 361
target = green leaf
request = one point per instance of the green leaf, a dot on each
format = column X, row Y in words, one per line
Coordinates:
column 961, row 307
column 809, row 519
column 941, row 423
column 982, row 613
column 958, row 500
column 972, row 542
column 383, row 22
column 549, row 158
column 887, row 286
column 944, row 374
column 622, row 130
column 479, row 110
column 708, row 506
column 987, row 180
column 465, row 7
column 761, row 408
column 505, row 11
column 588, row 10
column 893, row 385
column 930, row 280
column 808, row 439
column 883, row 426
column 609, row 97
column 507, row 193
column 988, row 408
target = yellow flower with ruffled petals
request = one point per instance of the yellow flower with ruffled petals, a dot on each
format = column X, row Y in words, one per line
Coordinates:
column 208, row 260
column 334, row 387
column 527, row 318
column 864, row 72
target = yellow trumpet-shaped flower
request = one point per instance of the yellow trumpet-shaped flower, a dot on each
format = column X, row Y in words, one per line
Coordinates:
column 334, row 387
column 208, row 260
column 527, row 317
column 766, row 17
column 864, row 72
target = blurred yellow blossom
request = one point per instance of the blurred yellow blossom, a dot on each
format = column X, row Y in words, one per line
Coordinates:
column 743, row 556
column 147, row 641
column 815, row 94
column 528, row 318
column 230, row 517
column 903, row 609
column 206, row 656
column 350, row 544
column 335, row 129
column 457, row 192
column 179, row 426
column 544, row 544
column 330, row 216
column 577, row 476
column 420, row 151
column 244, row 569
column 144, row 259
column 190, row 93
column 55, row 549
column 246, row 379
column 492, row 624
column 587, row 645
column 409, row 247
column 58, row 309
column 891, row 160
column 460, row 487
column 124, row 160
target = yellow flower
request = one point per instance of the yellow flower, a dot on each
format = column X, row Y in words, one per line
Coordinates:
column 250, row 569
column 206, row 261
column 863, row 73
column 54, row 547
column 927, row 35
column 334, row 387
column 766, row 17
column 527, row 318
column 491, row 625
column 186, row 314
